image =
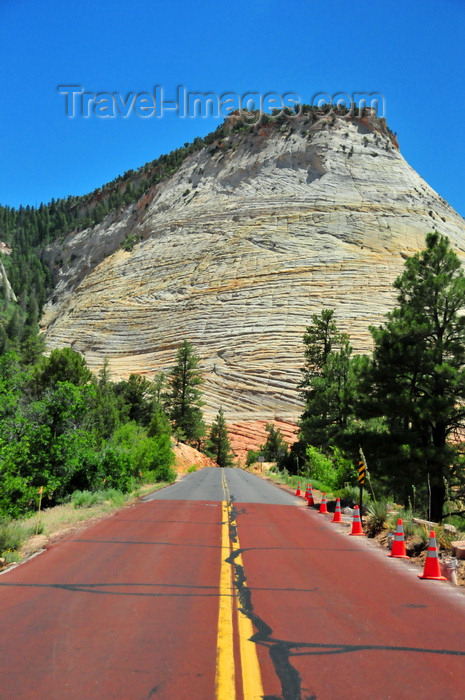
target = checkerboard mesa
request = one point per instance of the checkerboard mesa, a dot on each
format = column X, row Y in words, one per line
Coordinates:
column 257, row 229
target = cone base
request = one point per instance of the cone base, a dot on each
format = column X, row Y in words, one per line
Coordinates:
column 432, row 578
column 357, row 534
column 399, row 556
column 336, row 520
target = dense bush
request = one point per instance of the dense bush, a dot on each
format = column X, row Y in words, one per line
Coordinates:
column 11, row 535
column 62, row 430
column 334, row 471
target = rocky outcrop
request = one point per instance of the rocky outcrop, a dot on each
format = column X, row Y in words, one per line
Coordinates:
column 252, row 434
column 5, row 285
column 186, row 458
column 251, row 236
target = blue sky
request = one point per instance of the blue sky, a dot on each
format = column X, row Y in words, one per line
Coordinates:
column 413, row 53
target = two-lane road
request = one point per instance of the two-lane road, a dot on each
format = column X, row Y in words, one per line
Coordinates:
column 163, row 599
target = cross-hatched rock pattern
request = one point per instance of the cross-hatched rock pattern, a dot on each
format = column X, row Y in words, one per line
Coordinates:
column 236, row 251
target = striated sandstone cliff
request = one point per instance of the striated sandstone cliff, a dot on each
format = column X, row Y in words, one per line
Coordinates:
column 236, row 251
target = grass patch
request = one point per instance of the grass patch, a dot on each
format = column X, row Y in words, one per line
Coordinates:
column 291, row 480
column 11, row 537
column 87, row 499
column 320, row 486
column 410, row 527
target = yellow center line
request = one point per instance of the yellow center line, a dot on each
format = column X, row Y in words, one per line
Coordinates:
column 251, row 677
column 225, row 669
column 225, row 673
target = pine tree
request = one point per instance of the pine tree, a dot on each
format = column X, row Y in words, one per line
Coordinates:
column 159, row 423
column 326, row 387
column 218, row 446
column 275, row 445
column 184, row 396
column 105, row 418
column 13, row 328
column 62, row 365
column 136, row 393
column 319, row 339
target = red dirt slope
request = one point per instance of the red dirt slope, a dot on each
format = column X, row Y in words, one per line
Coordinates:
column 249, row 435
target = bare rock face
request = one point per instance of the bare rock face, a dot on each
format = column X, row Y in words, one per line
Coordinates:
column 187, row 458
column 5, row 286
column 238, row 248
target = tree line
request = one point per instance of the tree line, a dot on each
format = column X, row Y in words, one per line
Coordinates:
column 62, row 429
column 405, row 404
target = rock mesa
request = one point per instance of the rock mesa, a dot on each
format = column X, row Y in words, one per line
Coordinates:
column 236, row 250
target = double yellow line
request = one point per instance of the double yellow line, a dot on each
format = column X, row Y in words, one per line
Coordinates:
column 229, row 602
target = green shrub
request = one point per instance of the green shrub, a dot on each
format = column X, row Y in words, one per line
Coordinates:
column 410, row 528
column 320, row 467
column 458, row 522
column 320, row 486
column 115, row 497
column 349, row 495
column 377, row 518
column 11, row 556
column 11, row 536
column 252, row 457
column 143, row 454
column 346, row 472
column 282, row 476
column 192, row 469
column 85, row 499
column 113, row 470
column 129, row 242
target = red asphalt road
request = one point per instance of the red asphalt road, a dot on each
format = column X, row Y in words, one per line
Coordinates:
column 128, row 609
column 346, row 621
column 125, row 609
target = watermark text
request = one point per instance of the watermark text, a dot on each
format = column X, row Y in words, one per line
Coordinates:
column 251, row 106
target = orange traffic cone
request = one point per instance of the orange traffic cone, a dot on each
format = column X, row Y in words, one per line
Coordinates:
column 298, row 492
column 323, row 508
column 310, row 500
column 306, row 493
column 432, row 569
column 337, row 517
column 357, row 523
column 398, row 545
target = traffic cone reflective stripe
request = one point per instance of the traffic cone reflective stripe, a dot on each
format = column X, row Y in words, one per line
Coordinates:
column 337, row 517
column 298, row 492
column 357, row 523
column 398, row 545
column 323, row 508
column 310, row 500
column 432, row 570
